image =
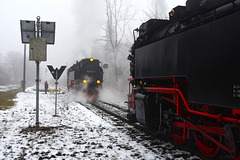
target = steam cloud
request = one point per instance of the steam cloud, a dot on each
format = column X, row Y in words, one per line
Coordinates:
column 89, row 18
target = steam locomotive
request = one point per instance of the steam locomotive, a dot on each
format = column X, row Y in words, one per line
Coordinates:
column 86, row 76
column 186, row 78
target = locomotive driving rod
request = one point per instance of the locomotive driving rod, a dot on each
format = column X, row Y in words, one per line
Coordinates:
column 219, row 117
column 177, row 91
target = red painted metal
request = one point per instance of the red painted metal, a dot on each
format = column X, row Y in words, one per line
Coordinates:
column 238, row 157
column 189, row 125
column 209, row 137
column 207, row 150
column 131, row 102
column 168, row 99
column 235, row 112
column 161, row 90
column 206, row 109
column 181, row 102
column 70, row 86
column 214, row 130
column 177, row 91
column 180, row 139
column 184, row 130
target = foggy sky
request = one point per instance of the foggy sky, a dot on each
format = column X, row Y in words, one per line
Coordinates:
column 78, row 24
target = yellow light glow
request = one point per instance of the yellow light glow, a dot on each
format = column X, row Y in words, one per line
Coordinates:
column 172, row 13
column 140, row 82
column 84, row 81
column 98, row 81
column 91, row 59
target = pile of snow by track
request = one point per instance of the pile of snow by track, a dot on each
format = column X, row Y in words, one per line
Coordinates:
column 76, row 133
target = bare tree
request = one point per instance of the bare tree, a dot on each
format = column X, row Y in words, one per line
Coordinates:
column 10, row 68
column 118, row 17
column 157, row 9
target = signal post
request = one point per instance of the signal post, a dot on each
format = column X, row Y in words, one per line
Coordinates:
column 37, row 46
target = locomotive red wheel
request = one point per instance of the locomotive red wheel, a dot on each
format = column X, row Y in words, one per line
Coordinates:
column 177, row 135
column 206, row 146
column 238, row 157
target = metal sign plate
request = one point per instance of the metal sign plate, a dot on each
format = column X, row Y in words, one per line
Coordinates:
column 37, row 49
column 56, row 73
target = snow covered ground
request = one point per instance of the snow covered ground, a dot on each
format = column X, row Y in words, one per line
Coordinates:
column 76, row 133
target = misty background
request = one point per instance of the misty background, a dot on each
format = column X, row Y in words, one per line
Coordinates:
column 101, row 29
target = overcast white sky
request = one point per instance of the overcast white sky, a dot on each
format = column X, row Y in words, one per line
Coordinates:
column 72, row 23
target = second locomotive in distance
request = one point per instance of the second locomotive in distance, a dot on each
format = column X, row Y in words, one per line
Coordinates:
column 86, row 76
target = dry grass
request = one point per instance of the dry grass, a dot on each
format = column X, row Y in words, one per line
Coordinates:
column 6, row 98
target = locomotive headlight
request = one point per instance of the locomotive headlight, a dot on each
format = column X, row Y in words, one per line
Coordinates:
column 172, row 13
column 84, row 81
column 98, row 81
column 91, row 59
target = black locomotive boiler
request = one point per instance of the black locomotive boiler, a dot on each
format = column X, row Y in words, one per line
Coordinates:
column 86, row 76
column 186, row 76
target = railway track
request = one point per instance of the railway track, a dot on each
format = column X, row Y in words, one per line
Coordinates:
column 118, row 115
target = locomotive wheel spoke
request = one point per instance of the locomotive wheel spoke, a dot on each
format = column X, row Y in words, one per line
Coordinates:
column 206, row 146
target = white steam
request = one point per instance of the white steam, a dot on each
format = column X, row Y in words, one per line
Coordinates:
column 89, row 19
